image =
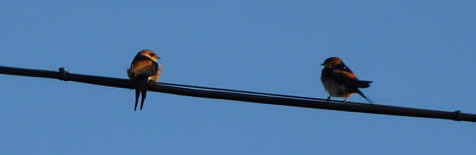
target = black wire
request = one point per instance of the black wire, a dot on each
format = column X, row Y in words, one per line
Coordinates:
column 241, row 91
column 244, row 96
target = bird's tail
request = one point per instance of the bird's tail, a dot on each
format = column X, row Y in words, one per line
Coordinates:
column 144, row 95
column 364, row 84
column 137, row 98
column 362, row 94
column 141, row 89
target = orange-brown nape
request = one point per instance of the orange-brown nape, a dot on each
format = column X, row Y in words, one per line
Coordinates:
column 332, row 62
column 150, row 54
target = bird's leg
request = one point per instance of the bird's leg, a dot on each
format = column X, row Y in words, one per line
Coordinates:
column 345, row 100
column 329, row 98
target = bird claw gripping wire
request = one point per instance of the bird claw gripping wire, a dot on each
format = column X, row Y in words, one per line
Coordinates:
column 63, row 75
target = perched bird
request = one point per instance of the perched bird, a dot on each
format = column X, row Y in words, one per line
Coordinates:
column 339, row 81
column 144, row 69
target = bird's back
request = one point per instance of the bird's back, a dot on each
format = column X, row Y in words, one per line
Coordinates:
column 142, row 68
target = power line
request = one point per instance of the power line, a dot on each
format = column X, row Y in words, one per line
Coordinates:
column 241, row 91
column 246, row 96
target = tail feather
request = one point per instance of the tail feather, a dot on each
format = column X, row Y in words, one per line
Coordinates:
column 137, row 98
column 141, row 88
column 362, row 94
column 364, row 84
column 144, row 95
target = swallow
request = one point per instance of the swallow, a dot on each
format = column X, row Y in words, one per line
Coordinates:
column 144, row 70
column 340, row 81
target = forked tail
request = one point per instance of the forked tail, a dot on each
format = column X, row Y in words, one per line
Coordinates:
column 362, row 94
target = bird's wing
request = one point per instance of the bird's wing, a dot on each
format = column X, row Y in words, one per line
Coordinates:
column 345, row 77
column 144, row 68
column 157, row 74
column 349, row 79
column 343, row 67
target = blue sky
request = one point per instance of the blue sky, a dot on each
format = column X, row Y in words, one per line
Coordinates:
column 418, row 53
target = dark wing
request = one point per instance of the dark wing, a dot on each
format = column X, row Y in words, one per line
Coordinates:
column 144, row 71
column 347, row 78
column 343, row 67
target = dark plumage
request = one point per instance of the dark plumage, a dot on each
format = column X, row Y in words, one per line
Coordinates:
column 340, row 81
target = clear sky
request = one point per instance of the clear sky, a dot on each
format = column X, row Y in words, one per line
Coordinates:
column 418, row 53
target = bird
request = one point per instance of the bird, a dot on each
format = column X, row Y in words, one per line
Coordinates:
column 340, row 81
column 143, row 70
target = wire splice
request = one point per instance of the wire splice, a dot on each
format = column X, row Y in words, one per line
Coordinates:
column 63, row 75
column 457, row 115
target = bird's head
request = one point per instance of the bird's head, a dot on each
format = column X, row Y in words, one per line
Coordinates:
column 150, row 54
column 332, row 62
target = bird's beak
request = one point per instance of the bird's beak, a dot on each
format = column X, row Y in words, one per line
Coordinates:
column 322, row 64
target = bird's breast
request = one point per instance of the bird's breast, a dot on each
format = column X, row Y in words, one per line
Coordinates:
column 335, row 89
